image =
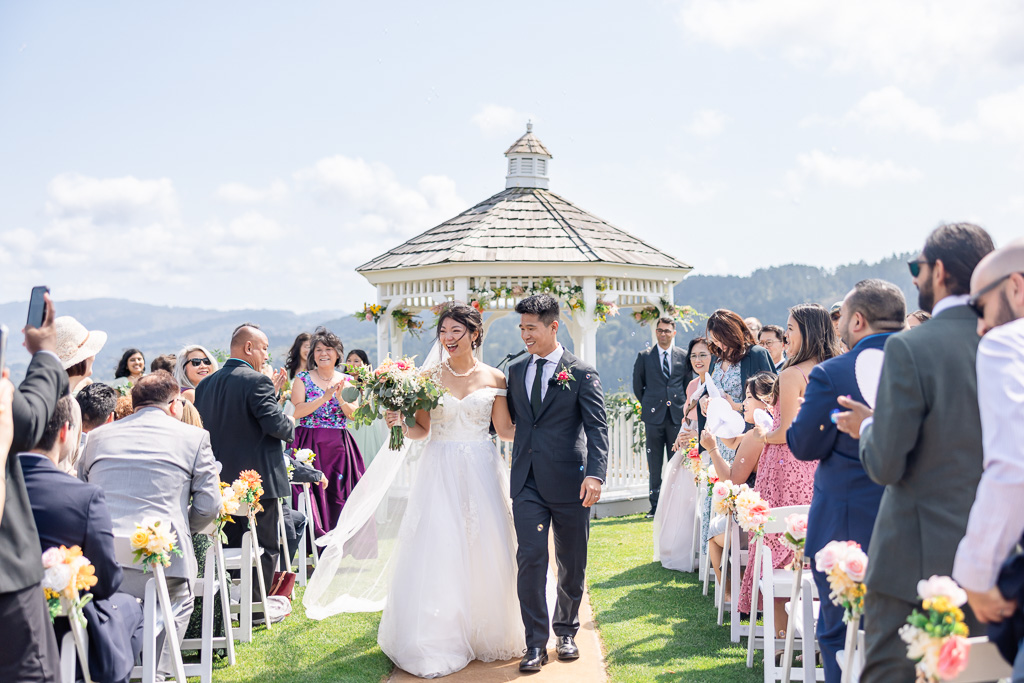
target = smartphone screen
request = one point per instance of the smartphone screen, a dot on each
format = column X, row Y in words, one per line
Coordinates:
column 37, row 307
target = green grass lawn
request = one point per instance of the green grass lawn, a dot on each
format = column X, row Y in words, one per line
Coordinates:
column 655, row 623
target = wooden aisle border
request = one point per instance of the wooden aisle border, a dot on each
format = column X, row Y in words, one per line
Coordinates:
column 590, row 667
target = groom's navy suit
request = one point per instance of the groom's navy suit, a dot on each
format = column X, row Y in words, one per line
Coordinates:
column 554, row 450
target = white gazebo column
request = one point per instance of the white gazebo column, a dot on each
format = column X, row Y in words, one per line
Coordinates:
column 587, row 323
column 396, row 338
column 461, row 289
column 488, row 321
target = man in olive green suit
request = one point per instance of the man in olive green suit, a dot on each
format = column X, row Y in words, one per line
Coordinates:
column 923, row 443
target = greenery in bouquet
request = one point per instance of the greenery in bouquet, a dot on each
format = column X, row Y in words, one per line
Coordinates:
column 67, row 573
column 153, row 542
column 936, row 635
column 393, row 385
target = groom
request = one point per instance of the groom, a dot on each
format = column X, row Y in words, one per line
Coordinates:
column 558, row 465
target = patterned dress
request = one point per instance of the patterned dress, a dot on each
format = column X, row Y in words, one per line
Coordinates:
column 324, row 432
column 781, row 480
column 730, row 382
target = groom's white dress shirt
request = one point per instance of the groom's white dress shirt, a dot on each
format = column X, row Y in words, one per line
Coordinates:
column 994, row 528
column 548, row 371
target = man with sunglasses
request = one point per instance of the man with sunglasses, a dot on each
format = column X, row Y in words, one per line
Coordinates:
column 997, row 298
column 923, row 443
column 660, row 376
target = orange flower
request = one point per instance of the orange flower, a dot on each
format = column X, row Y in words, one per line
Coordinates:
column 86, row 578
column 252, row 478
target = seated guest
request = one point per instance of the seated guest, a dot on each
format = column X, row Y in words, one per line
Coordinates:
column 77, row 348
column 123, row 408
column 845, row 501
column 71, row 512
column 771, row 337
column 194, row 364
column 165, row 362
column 149, row 464
column 97, row 402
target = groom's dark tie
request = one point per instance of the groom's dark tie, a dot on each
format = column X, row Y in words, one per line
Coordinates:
column 535, row 398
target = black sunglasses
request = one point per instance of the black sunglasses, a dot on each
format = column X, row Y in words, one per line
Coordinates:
column 915, row 266
column 196, row 362
column 972, row 303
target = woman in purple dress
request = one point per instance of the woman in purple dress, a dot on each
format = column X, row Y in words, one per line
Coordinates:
column 321, row 417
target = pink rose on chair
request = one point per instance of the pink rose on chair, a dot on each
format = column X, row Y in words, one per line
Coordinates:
column 827, row 557
column 796, row 525
column 854, row 564
column 952, row 657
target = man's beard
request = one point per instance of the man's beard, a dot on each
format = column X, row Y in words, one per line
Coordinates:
column 926, row 296
column 1004, row 312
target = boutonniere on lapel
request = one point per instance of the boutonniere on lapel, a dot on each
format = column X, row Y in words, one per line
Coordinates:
column 563, row 377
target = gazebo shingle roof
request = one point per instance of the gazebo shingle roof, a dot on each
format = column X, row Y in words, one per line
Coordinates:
column 523, row 224
column 528, row 144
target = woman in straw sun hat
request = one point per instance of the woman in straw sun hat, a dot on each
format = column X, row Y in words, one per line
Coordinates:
column 77, row 348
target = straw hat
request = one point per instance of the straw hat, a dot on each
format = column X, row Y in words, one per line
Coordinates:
column 75, row 343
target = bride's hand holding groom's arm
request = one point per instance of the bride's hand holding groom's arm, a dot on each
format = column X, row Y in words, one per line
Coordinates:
column 421, row 430
column 501, row 417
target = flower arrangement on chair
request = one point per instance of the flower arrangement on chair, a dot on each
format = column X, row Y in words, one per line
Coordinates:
column 229, row 504
column 936, row 636
column 752, row 511
column 67, row 573
column 154, row 542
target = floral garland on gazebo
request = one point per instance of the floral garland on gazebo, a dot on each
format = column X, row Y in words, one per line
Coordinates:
column 404, row 318
column 685, row 316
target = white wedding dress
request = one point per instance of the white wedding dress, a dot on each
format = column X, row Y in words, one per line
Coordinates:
column 449, row 566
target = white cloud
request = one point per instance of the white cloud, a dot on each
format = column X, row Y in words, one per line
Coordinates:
column 889, row 109
column 689, row 191
column 240, row 193
column 110, row 199
column 707, row 123
column 494, row 119
column 910, row 39
column 1003, row 115
column 833, row 170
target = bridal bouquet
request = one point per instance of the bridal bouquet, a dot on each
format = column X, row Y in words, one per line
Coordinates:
column 693, row 461
column 752, row 511
column 844, row 564
column 66, row 571
column 154, row 541
column 936, row 637
column 394, row 385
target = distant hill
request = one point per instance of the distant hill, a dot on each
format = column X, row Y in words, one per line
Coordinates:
column 767, row 294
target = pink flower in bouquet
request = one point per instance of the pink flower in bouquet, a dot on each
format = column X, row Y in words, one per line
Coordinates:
column 952, row 657
column 402, row 365
column 829, row 556
column 796, row 525
column 369, row 317
column 54, row 556
column 855, row 564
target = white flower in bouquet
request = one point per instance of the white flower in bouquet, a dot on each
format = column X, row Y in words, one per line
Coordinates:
column 305, row 456
column 239, row 488
column 54, row 556
column 942, row 586
column 720, row 498
column 751, row 511
column 917, row 641
column 56, row 578
column 228, row 501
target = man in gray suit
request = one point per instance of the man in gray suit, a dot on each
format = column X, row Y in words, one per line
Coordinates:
column 660, row 376
column 150, row 464
column 923, row 443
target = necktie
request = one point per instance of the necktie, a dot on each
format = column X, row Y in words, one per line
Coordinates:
column 535, row 397
column 664, row 363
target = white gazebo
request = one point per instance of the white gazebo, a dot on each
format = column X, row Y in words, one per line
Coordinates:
column 522, row 240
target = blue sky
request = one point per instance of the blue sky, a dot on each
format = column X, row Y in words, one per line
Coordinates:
column 253, row 154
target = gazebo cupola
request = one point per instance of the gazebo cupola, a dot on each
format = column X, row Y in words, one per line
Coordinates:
column 528, row 161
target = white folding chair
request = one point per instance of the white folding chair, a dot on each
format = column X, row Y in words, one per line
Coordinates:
column 306, row 508
column 285, row 563
column 698, row 548
column 738, row 559
column 858, row 660
column 244, row 559
column 74, row 646
column 214, row 585
column 723, row 569
column 156, row 598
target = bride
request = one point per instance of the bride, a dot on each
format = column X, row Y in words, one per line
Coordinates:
column 445, row 552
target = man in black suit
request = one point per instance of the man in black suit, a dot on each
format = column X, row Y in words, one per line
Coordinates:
column 71, row 512
column 559, row 458
column 239, row 407
column 660, row 376
column 29, row 650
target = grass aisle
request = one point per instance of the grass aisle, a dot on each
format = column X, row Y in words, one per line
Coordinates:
column 655, row 623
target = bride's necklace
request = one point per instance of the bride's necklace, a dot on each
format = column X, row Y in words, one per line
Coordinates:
column 461, row 374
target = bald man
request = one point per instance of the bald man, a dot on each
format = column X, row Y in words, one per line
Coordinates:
column 239, row 407
column 995, row 527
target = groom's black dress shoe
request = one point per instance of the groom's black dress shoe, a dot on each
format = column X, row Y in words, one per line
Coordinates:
column 534, row 659
column 567, row 648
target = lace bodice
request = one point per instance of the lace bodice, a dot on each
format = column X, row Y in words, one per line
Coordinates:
column 466, row 419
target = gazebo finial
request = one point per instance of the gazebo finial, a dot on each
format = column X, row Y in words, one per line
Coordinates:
column 527, row 161
column 529, row 125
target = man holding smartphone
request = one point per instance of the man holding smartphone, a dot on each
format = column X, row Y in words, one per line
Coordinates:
column 29, row 651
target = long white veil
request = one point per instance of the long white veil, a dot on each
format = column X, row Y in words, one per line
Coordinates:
column 353, row 572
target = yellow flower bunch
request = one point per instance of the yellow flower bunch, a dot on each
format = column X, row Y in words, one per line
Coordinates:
column 67, row 572
column 153, row 542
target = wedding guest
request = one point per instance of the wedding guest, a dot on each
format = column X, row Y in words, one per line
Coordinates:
column 240, row 410
column 123, row 408
column 369, row 437
column 771, row 338
column 295, row 362
column 77, row 348
column 96, row 404
column 754, row 325
column 151, row 464
column 698, row 358
column 783, row 480
column 130, row 369
column 916, row 318
column 997, row 298
column 660, row 376
column 845, row 500
column 322, row 418
column 70, row 512
column 743, row 468
column 922, row 446
column 29, row 651
column 165, row 362
column 194, row 364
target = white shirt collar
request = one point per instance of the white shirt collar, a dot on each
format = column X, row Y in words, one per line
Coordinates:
column 949, row 302
column 552, row 357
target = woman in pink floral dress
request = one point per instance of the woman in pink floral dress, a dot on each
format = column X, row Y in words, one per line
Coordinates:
column 782, row 479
